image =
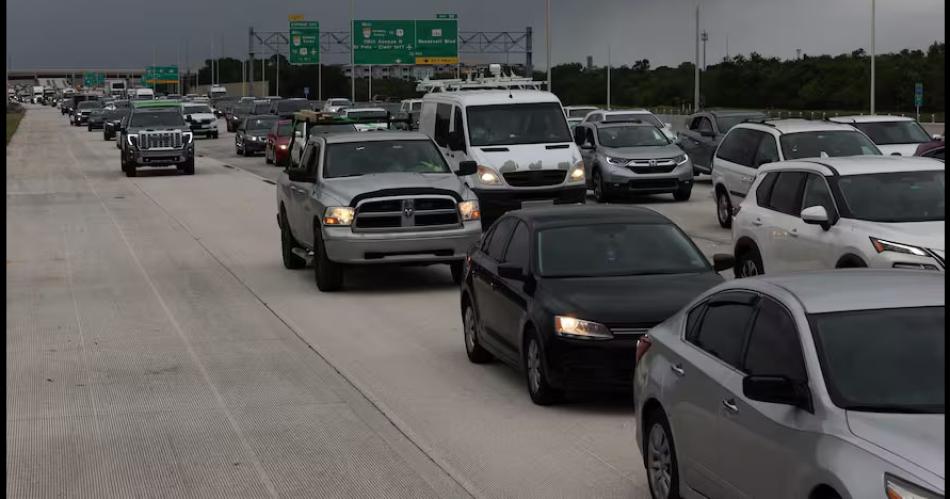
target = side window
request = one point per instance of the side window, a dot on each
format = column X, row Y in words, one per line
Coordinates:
column 817, row 194
column 691, row 320
column 304, row 159
column 443, row 114
column 589, row 136
column 595, row 118
column 723, row 329
column 500, row 237
column 764, row 190
column 787, row 193
column 767, row 152
column 694, row 123
column 314, row 160
column 774, row 347
column 457, row 124
column 738, row 146
column 519, row 246
column 704, row 125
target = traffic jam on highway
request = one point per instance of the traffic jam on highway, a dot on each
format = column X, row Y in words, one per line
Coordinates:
column 823, row 357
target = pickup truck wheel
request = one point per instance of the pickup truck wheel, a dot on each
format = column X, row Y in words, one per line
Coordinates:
column 130, row 169
column 457, row 272
column 287, row 245
column 188, row 167
column 328, row 274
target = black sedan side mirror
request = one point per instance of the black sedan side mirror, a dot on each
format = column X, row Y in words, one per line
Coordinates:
column 777, row 390
column 467, row 168
column 723, row 261
column 511, row 271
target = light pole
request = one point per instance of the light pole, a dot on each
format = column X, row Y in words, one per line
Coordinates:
column 547, row 37
column 704, row 37
column 872, row 56
column 352, row 52
column 608, row 77
column 696, row 64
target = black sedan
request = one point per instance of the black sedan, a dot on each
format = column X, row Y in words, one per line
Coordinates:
column 251, row 136
column 564, row 292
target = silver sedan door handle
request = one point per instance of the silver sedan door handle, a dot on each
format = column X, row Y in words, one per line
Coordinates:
column 677, row 370
column 730, row 406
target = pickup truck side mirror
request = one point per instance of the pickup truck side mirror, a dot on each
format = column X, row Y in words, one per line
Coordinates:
column 298, row 134
column 467, row 168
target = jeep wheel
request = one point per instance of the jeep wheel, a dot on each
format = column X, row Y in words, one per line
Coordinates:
column 328, row 274
column 287, row 244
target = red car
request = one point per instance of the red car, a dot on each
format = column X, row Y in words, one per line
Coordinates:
column 933, row 149
column 277, row 149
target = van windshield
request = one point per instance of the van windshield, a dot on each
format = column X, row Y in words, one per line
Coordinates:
column 509, row 124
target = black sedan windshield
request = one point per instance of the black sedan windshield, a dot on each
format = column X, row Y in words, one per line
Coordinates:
column 259, row 123
column 390, row 156
column 889, row 360
column 508, row 124
column 837, row 143
column 894, row 132
column 615, row 249
column 631, row 136
column 895, row 197
column 149, row 119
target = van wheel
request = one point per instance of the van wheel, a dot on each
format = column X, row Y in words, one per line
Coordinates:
column 723, row 209
column 328, row 274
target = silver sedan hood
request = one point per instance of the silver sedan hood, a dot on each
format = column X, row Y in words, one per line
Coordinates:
column 916, row 438
column 346, row 188
column 648, row 152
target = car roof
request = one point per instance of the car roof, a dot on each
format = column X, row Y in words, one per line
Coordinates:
column 732, row 112
column 357, row 109
column 594, row 108
column 794, row 125
column 492, row 97
column 570, row 215
column 858, row 165
column 871, row 118
column 855, row 289
column 611, row 124
column 381, row 135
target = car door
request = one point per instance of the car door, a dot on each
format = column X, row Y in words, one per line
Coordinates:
column 707, row 140
column 733, row 162
column 810, row 246
column 511, row 295
column 711, row 347
column 689, row 141
column 297, row 192
column 761, row 443
column 485, row 282
column 309, row 191
column 780, row 237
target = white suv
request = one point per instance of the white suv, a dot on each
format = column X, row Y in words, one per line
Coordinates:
column 749, row 145
column 600, row 116
column 884, row 212
column 896, row 135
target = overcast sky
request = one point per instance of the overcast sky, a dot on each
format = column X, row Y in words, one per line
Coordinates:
column 129, row 33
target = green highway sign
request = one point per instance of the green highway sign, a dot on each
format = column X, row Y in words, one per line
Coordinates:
column 304, row 42
column 93, row 79
column 405, row 42
column 161, row 74
column 919, row 94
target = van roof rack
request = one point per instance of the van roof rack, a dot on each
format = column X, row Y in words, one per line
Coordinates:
column 496, row 81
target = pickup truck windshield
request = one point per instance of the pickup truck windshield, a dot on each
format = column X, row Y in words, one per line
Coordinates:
column 510, row 124
column 353, row 159
column 147, row 119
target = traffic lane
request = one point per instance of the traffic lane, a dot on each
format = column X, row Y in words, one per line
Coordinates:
column 129, row 342
column 222, row 150
column 395, row 333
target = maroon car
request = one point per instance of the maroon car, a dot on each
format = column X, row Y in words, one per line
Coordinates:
column 277, row 149
column 932, row 149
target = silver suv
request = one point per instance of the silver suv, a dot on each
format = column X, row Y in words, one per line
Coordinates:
column 380, row 198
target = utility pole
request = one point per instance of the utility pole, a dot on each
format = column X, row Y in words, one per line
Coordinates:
column 608, row 77
column 704, row 37
column 250, row 58
column 277, row 72
column 547, row 38
column 212, row 62
column 696, row 64
column 872, row 56
column 727, row 45
column 320, row 81
column 798, row 54
column 352, row 52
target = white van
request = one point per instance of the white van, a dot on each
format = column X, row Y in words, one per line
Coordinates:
column 519, row 139
column 144, row 94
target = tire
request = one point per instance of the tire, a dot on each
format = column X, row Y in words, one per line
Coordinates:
column 723, row 209
column 852, row 262
column 130, row 169
column 188, row 167
column 88, row 128
column 267, row 158
column 327, row 274
column 683, row 192
column 122, row 161
column 536, row 372
column 457, row 272
column 287, row 244
column 214, row 135
column 600, row 192
column 748, row 263
column 659, row 457
column 473, row 349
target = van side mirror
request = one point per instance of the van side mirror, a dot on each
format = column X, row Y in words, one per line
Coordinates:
column 467, row 168
column 777, row 390
column 455, row 141
column 816, row 215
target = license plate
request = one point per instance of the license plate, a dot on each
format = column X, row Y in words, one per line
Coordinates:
column 537, row 202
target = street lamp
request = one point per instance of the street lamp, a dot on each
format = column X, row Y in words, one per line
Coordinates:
column 547, row 37
column 696, row 65
column 872, row 56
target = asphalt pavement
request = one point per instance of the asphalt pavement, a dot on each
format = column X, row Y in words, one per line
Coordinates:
column 156, row 347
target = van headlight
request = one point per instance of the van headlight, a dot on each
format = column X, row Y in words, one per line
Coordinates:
column 572, row 327
column 487, row 175
column 338, row 215
column 469, row 211
column 577, row 172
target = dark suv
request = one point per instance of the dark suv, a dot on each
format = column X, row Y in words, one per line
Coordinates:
column 704, row 131
column 157, row 136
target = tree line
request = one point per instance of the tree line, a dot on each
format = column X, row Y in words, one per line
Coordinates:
column 822, row 82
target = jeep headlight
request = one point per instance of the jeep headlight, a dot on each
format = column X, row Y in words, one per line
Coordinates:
column 469, row 211
column 488, row 175
column 338, row 215
column 572, row 327
column 577, row 172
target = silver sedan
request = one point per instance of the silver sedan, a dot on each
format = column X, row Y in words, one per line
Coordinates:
column 811, row 385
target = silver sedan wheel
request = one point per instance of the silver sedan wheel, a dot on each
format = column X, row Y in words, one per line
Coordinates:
column 659, row 461
column 469, row 330
column 749, row 268
column 534, row 366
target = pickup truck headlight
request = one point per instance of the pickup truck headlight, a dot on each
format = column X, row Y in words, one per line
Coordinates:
column 488, row 175
column 895, row 488
column 132, row 139
column 469, row 211
column 577, row 172
column 572, row 327
column 881, row 246
column 187, row 137
column 338, row 215
column 617, row 161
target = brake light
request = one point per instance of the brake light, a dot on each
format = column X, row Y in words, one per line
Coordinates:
column 643, row 344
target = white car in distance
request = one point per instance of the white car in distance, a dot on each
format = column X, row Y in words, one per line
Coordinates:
column 829, row 213
column 895, row 135
column 643, row 115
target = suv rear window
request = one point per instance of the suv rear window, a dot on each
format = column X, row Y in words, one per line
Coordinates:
column 739, row 146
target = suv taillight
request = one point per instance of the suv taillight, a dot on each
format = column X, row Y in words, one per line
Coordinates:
column 643, row 344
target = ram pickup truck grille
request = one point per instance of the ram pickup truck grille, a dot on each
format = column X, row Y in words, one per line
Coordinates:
column 535, row 178
column 160, row 140
column 406, row 213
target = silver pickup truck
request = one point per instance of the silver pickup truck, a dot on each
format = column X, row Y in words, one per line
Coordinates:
column 374, row 198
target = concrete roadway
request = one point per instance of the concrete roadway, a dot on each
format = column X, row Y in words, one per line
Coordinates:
column 157, row 347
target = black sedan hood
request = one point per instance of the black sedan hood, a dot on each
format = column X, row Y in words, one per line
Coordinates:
column 627, row 300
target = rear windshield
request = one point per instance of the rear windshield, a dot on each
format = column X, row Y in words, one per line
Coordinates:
column 202, row 109
column 894, row 132
column 831, row 143
column 510, row 124
column 354, row 159
column 364, row 115
column 262, row 108
column 259, row 123
column 727, row 122
column 89, row 104
column 579, row 113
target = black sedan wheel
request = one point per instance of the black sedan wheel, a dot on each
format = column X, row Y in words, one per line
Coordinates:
column 476, row 354
column 536, row 373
